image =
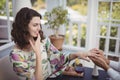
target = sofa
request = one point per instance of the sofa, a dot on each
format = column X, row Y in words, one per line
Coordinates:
column 6, row 70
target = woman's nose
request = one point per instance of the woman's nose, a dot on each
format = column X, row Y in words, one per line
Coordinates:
column 39, row 28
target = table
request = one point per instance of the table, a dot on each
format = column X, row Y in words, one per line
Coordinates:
column 87, row 76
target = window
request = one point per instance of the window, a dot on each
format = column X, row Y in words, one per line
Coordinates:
column 101, row 27
column 76, row 29
column 108, row 26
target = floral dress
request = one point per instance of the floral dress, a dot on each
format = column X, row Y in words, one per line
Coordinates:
column 53, row 61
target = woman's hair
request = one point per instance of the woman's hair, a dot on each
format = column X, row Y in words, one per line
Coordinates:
column 20, row 33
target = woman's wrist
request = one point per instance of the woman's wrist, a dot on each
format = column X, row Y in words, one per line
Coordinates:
column 38, row 56
column 83, row 54
column 78, row 55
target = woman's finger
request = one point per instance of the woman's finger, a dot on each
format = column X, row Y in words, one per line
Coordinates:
column 38, row 38
column 31, row 43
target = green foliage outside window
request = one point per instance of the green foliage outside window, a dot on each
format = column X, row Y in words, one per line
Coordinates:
column 104, row 10
column 3, row 7
column 78, row 5
column 116, row 10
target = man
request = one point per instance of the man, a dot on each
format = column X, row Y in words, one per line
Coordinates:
column 111, row 67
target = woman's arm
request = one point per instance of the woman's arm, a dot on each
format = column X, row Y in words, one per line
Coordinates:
column 82, row 55
column 21, row 66
column 38, row 69
column 36, row 47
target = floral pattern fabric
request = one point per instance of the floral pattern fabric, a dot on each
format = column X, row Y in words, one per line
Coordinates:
column 53, row 61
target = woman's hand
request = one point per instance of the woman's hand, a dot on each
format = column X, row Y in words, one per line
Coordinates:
column 35, row 44
column 71, row 72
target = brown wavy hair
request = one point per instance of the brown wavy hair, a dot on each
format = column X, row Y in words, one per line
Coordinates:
column 20, row 33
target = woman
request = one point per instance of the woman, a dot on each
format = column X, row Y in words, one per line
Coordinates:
column 33, row 56
column 111, row 67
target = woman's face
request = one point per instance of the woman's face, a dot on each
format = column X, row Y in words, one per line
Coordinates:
column 34, row 26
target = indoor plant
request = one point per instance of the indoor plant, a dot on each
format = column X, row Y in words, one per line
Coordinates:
column 55, row 18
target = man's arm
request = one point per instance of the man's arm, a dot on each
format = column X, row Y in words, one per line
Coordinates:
column 115, row 65
column 113, row 74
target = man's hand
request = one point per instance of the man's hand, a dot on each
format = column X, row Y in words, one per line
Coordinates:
column 99, row 53
column 97, row 56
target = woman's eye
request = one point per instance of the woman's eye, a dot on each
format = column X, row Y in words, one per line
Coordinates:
column 35, row 25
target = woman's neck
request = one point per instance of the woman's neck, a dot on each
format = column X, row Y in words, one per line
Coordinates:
column 27, row 48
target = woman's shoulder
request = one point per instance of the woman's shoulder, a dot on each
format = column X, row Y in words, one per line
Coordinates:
column 17, row 54
column 16, row 50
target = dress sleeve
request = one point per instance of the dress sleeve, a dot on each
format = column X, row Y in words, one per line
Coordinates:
column 21, row 65
column 58, row 59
